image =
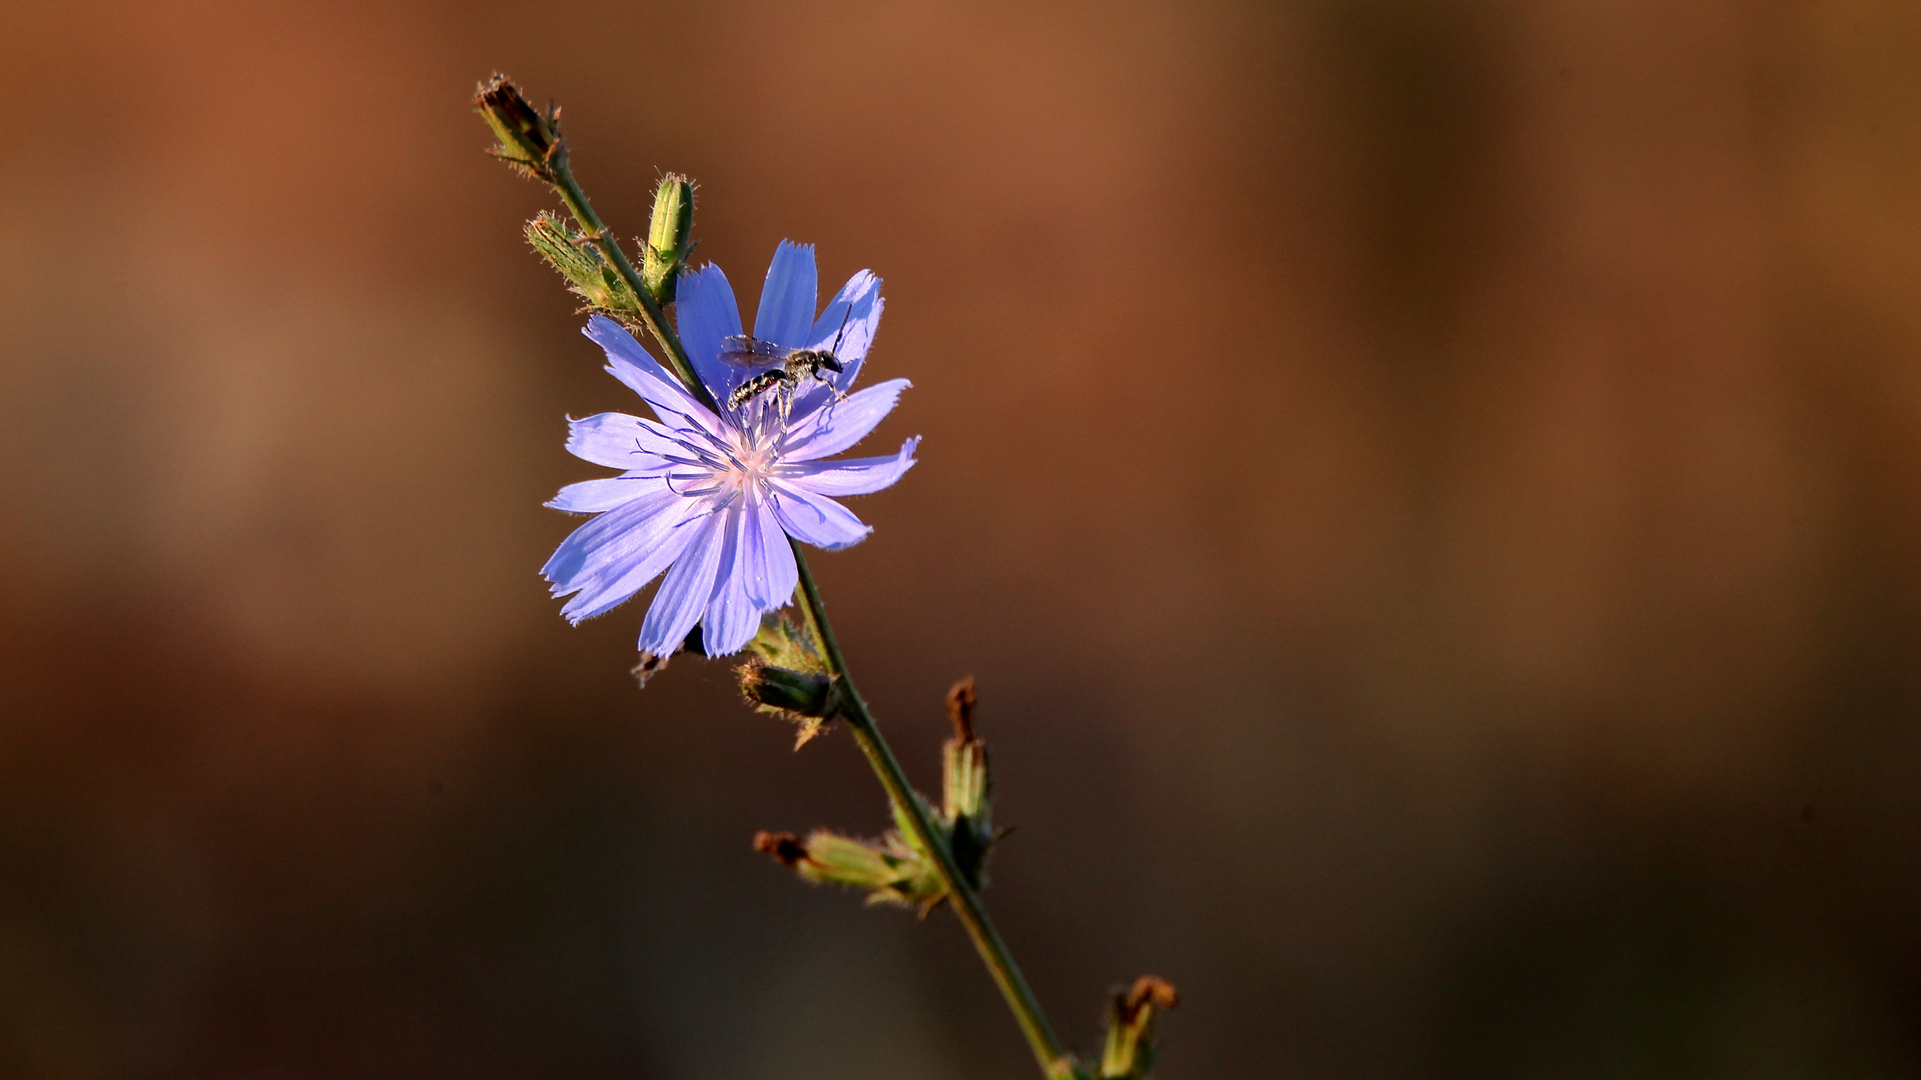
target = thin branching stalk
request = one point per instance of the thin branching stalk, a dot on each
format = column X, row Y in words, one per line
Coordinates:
column 966, row 902
column 1054, row 1060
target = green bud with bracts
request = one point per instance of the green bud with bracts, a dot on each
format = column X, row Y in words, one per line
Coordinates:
column 568, row 251
column 803, row 695
column 786, row 676
column 668, row 243
column 888, row 870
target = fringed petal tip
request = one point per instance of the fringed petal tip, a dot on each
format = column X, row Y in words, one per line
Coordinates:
column 853, row 476
column 832, row 426
column 788, row 297
column 816, row 519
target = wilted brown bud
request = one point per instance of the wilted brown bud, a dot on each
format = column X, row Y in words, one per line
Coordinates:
column 1148, row 990
column 529, row 138
column 1129, row 1052
column 966, row 789
column 650, row 665
column 960, row 707
column 785, row 847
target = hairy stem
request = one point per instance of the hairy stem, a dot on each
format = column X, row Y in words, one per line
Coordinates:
column 569, row 191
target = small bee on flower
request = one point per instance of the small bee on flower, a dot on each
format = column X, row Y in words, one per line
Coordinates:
column 793, row 367
column 709, row 498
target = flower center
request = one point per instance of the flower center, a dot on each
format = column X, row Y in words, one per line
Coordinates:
column 752, row 462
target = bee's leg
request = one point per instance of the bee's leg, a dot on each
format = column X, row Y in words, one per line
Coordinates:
column 827, row 381
column 832, row 389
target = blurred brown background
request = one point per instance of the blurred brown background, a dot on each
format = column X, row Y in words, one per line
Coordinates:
column 1429, row 491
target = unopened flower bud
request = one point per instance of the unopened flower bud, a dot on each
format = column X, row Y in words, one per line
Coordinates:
column 887, row 870
column 833, row 859
column 803, row 694
column 668, row 243
column 588, row 275
column 964, row 790
column 529, row 138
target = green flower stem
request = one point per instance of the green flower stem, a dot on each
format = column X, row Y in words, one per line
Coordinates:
column 569, row 191
column 1054, row 1060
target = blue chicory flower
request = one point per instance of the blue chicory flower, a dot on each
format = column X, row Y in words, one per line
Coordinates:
column 711, row 498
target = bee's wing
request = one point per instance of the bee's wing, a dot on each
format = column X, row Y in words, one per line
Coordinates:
column 750, row 351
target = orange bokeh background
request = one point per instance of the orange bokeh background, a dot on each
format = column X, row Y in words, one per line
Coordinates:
column 1428, row 490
